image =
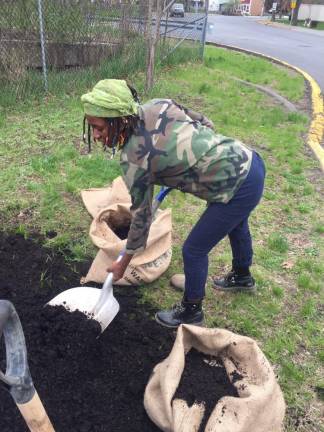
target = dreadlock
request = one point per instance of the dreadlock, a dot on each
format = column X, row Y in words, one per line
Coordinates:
column 86, row 138
column 134, row 93
column 120, row 128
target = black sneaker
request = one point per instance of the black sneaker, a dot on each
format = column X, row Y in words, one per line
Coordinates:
column 232, row 282
column 181, row 313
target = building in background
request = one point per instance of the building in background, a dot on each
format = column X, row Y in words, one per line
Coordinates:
column 191, row 5
column 249, row 7
column 219, row 5
column 213, row 5
column 237, row 7
column 312, row 12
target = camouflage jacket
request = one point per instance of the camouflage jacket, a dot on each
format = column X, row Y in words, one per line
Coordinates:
column 172, row 147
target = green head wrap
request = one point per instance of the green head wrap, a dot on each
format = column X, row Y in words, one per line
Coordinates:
column 109, row 98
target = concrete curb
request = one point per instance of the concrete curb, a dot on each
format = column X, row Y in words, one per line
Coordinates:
column 283, row 101
column 316, row 130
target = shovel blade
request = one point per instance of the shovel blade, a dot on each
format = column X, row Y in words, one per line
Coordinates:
column 84, row 299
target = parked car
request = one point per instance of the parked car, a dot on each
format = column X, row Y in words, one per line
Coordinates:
column 177, row 9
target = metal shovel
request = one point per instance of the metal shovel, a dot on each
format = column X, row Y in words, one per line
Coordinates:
column 95, row 303
column 17, row 378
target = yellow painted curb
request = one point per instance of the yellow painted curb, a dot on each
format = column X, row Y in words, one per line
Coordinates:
column 316, row 130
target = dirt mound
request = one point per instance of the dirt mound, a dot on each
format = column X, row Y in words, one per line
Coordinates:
column 87, row 382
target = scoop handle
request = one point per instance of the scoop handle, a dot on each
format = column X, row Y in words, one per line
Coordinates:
column 109, row 279
column 35, row 415
column 17, row 379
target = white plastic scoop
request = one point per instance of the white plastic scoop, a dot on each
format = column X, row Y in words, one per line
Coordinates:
column 95, row 303
column 98, row 304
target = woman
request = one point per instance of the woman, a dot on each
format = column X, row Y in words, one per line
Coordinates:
column 163, row 143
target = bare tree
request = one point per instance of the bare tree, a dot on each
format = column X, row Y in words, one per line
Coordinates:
column 152, row 38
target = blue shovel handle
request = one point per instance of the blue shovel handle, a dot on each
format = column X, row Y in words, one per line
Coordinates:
column 163, row 193
column 156, row 204
column 159, row 198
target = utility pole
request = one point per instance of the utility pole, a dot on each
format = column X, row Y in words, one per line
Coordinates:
column 42, row 40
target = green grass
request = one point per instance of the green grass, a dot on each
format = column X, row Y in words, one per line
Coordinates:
column 42, row 172
column 257, row 71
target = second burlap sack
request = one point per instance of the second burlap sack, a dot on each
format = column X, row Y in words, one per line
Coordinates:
column 110, row 209
column 260, row 406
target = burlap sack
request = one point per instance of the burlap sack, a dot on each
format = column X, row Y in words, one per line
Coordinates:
column 109, row 208
column 260, row 406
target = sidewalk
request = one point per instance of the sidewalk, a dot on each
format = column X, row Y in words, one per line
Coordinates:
column 289, row 27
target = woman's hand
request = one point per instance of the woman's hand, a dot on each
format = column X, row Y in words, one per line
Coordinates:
column 208, row 123
column 119, row 267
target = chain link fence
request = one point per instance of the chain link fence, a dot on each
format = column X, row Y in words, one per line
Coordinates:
column 60, row 46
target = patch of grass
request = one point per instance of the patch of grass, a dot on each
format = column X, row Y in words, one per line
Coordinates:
column 22, row 230
column 311, row 266
column 204, row 88
column 292, row 372
column 319, row 228
column 279, row 345
column 308, row 189
column 269, row 260
column 277, row 242
column 306, row 282
column 308, row 309
column 297, row 117
column 278, row 291
column 304, row 208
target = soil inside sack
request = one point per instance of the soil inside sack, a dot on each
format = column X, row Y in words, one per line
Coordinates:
column 122, row 231
column 119, row 222
column 87, row 382
column 205, row 381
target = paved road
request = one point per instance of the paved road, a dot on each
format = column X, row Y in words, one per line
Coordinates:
column 303, row 48
column 191, row 26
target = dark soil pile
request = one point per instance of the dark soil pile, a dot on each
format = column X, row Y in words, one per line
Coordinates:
column 87, row 383
column 204, row 380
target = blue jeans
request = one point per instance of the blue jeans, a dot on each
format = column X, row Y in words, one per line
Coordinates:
column 217, row 221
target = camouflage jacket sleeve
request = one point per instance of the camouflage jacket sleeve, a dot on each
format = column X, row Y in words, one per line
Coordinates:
column 141, row 190
column 196, row 116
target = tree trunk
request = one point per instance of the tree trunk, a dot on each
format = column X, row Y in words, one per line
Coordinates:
column 294, row 13
column 152, row 41
column 280, row 9
column 149, row 47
